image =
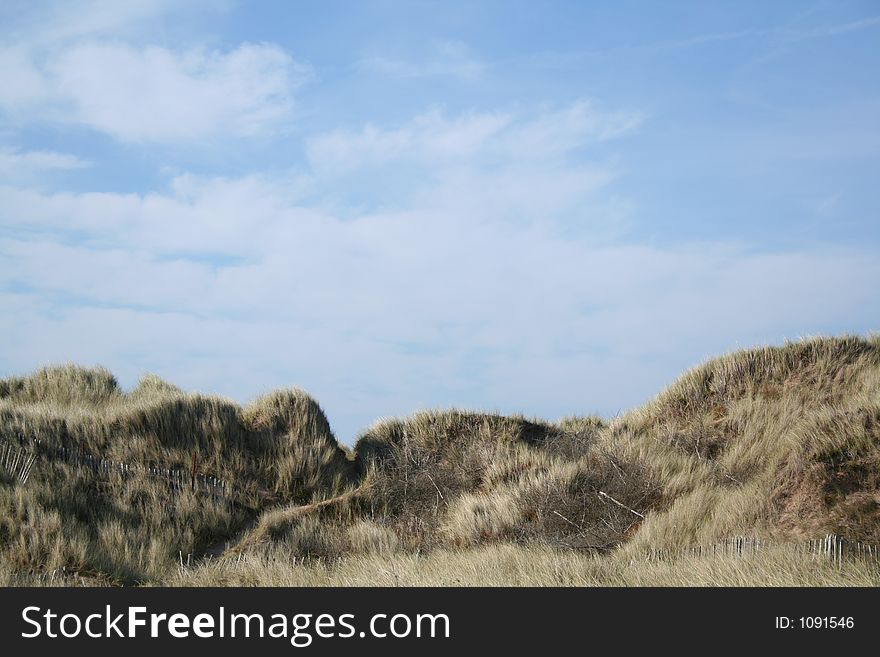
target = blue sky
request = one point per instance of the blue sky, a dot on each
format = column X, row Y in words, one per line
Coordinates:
column 541, row 207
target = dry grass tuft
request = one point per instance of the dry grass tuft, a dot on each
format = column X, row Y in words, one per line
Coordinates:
column 516, row 565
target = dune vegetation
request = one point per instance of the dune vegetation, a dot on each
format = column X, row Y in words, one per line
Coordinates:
column 781, row 444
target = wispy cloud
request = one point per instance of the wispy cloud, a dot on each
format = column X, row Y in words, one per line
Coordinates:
column 773, row 36
column 428, row 136
column 776, row 34
column 505, row 165
column 791, row 35
column 16, row 161
column 50, row 23
column 435, row 138
column 444, row 58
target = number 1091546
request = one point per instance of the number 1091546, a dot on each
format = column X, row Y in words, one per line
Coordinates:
column 815, row 622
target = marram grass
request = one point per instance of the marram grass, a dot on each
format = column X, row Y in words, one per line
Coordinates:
column 780, row 443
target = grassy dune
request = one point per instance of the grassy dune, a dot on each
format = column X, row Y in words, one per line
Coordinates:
column 129, row 528
column 781, row 443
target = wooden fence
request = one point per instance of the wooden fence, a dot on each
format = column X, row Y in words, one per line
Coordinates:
column 832, row 547
column 22, row 457
column 16, row 462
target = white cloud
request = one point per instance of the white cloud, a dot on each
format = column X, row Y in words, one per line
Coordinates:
column 155, row 94
column 24, row 85
column 389, row 311
column 94, row 69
